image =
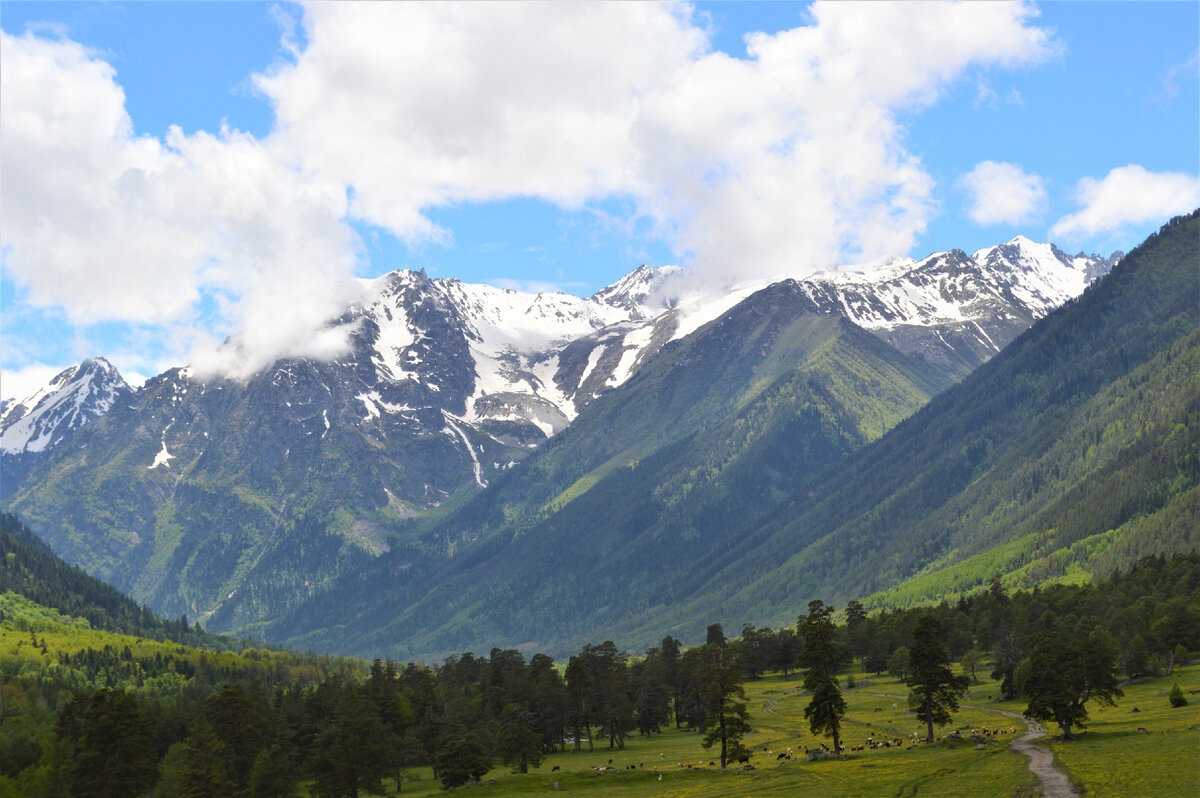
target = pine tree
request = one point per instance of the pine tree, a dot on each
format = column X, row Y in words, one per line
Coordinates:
column 202, row 770
column 932, row 682
column 352, row 752
column 726, row 719
column 114, row 756
column 517, row 740
column 462, row 760
column 820, row 659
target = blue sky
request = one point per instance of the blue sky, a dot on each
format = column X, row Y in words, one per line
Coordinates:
column 176, row 173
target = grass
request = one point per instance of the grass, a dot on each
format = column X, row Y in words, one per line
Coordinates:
column 1113, row 759
column 875, row 707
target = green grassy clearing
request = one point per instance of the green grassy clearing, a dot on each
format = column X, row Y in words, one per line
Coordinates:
column 1112, row 760
column 875, row 707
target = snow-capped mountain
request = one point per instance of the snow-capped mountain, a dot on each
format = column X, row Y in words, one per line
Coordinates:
column 503, row 360
column 230, row 500
column 516, row 367
column 73, row 398
column 957, row 310
column 34, row 425
column 490, row 357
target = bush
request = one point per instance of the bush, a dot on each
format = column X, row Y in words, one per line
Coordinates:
column 1176, row 697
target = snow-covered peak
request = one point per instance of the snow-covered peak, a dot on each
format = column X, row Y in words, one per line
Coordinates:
column 74, row 397
column 1040, row 276
column 645, row 292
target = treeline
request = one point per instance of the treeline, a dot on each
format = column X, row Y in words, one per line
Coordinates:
column 252, row 735
column 1150, row 613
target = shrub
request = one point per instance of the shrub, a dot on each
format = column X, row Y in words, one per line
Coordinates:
column 1176, row 697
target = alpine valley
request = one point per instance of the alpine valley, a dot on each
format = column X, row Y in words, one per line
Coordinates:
column 490, row 468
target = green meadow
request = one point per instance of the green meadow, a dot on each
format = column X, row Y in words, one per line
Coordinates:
column 1113, row 758
column 1141, row 747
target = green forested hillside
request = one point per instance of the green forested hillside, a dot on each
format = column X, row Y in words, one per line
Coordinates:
column 30, row 569
column 1074, row 452
column 643, row 498
column 87, row 712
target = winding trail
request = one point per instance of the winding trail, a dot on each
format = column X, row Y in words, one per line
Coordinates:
column 1054, row 783
column 1051, row 781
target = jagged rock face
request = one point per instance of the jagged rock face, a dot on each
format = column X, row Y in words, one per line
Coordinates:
column 73, row 398
column 489, row 358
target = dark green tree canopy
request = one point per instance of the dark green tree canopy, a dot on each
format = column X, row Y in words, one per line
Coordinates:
column 819, row 656
column 1065, row 675
column 932, row 681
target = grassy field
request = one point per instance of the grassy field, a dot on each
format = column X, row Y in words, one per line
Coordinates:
column 1143, row 746
column 1112, row 759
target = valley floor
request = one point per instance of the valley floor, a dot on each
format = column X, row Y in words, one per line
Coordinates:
column 1141, row 747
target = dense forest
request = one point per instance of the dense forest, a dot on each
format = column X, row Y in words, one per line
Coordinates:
column 90, row 707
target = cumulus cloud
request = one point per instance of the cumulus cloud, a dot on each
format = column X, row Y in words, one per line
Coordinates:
column 1002, row 193
column 110, row 226
column 1127, row 196
column 787, row 160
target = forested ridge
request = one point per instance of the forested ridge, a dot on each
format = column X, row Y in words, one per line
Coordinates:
column 90, row 712
column 1074, row 452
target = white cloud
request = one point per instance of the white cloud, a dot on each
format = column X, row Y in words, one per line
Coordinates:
column 1181, row 73
column 1002, row 193
column 785, row 161
column 114, row 227
column 1127, row 196
column 20, row 383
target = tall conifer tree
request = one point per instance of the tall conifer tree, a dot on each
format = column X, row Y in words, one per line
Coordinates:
column 931, row 680
column 820, row 659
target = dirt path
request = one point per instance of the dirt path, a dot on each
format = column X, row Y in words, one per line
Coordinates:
column 1054, row 783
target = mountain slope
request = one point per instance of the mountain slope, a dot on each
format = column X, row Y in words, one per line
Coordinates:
column 236, row 501
column 712, row 430
column 1075, row 451
column 33, row 426
column 28, row 568
column 1023, row 447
